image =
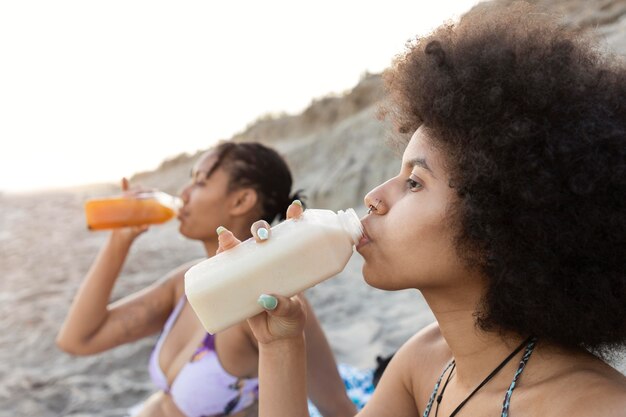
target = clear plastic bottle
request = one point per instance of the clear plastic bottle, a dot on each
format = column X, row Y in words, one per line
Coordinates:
column 151, row 207
column 300, row 253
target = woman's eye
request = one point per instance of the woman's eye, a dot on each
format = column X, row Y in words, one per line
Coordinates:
column 198, row 178
column 413, row 185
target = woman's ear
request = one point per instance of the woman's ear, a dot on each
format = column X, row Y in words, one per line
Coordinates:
column 243, row 201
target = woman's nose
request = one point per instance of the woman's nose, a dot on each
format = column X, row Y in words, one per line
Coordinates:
column 374, row 201
column 184, row 194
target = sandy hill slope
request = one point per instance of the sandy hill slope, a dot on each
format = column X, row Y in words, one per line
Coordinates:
column 336, row 147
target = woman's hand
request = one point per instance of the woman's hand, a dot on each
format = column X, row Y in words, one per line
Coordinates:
column 283, row 318
column 129, row 234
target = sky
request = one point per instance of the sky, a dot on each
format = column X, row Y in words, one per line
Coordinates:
column 94, row 91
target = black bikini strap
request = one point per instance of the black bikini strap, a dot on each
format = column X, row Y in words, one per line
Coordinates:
column 492, row 374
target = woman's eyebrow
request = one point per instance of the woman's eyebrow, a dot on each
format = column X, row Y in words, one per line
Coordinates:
column 194, row 174
column 419, row 162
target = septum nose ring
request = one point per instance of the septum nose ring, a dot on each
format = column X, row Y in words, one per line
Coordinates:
column 373, row 208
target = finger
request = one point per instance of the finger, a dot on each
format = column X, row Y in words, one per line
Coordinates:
column 280, row 306
column 226, row 239
column 261, row 230
column 132, row 192
column 294, row 210
column 136, row 231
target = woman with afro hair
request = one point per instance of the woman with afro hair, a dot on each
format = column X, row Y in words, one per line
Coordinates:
column 508, row 214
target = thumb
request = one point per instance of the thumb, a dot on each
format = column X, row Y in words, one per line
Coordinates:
column 226, row 239
column 281, row 306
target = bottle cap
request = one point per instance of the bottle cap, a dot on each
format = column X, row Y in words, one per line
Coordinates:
column 351, row 224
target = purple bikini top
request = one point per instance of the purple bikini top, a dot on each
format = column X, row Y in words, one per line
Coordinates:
column 202, row 387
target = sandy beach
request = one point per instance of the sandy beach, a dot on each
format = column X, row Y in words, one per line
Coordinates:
column 46, row 249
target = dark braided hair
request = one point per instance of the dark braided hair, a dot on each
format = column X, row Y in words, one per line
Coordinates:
column 251, row 164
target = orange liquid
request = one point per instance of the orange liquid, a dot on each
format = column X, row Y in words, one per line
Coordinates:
column 114, row 212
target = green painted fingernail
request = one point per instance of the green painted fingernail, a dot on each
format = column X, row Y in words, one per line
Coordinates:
column 297, row 202
column 220, row 230
column 262, row 233
column 267, row 302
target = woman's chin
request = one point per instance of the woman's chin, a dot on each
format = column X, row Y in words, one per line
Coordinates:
column 183, row 229
column 373, row 278
column 381, row 279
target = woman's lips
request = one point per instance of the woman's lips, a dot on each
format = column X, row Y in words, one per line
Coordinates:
column 181, row 215
column 365, row 239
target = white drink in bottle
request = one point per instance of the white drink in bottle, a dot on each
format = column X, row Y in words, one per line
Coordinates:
column 300, row 253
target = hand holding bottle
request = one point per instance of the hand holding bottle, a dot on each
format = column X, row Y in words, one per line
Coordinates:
column 138, row 207
column 132, row 232
column 244, row 279
column 284, row 317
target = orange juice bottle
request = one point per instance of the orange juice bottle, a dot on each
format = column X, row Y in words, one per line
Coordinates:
column 151, row 207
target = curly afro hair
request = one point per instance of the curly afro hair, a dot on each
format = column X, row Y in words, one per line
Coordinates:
column 532, row 119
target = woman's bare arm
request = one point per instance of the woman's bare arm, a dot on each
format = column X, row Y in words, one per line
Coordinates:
column 282, row 359
column 325, row 387
column 93, row 326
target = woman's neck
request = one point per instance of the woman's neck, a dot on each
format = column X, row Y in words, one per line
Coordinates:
column 210, row 247
column 475, row 351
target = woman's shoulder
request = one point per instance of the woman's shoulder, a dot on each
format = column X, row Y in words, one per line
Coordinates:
column 409, row 378
column 578, row 384
column 429, row 345
column 594, row 389
column 424, row 356
column 176, row 276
